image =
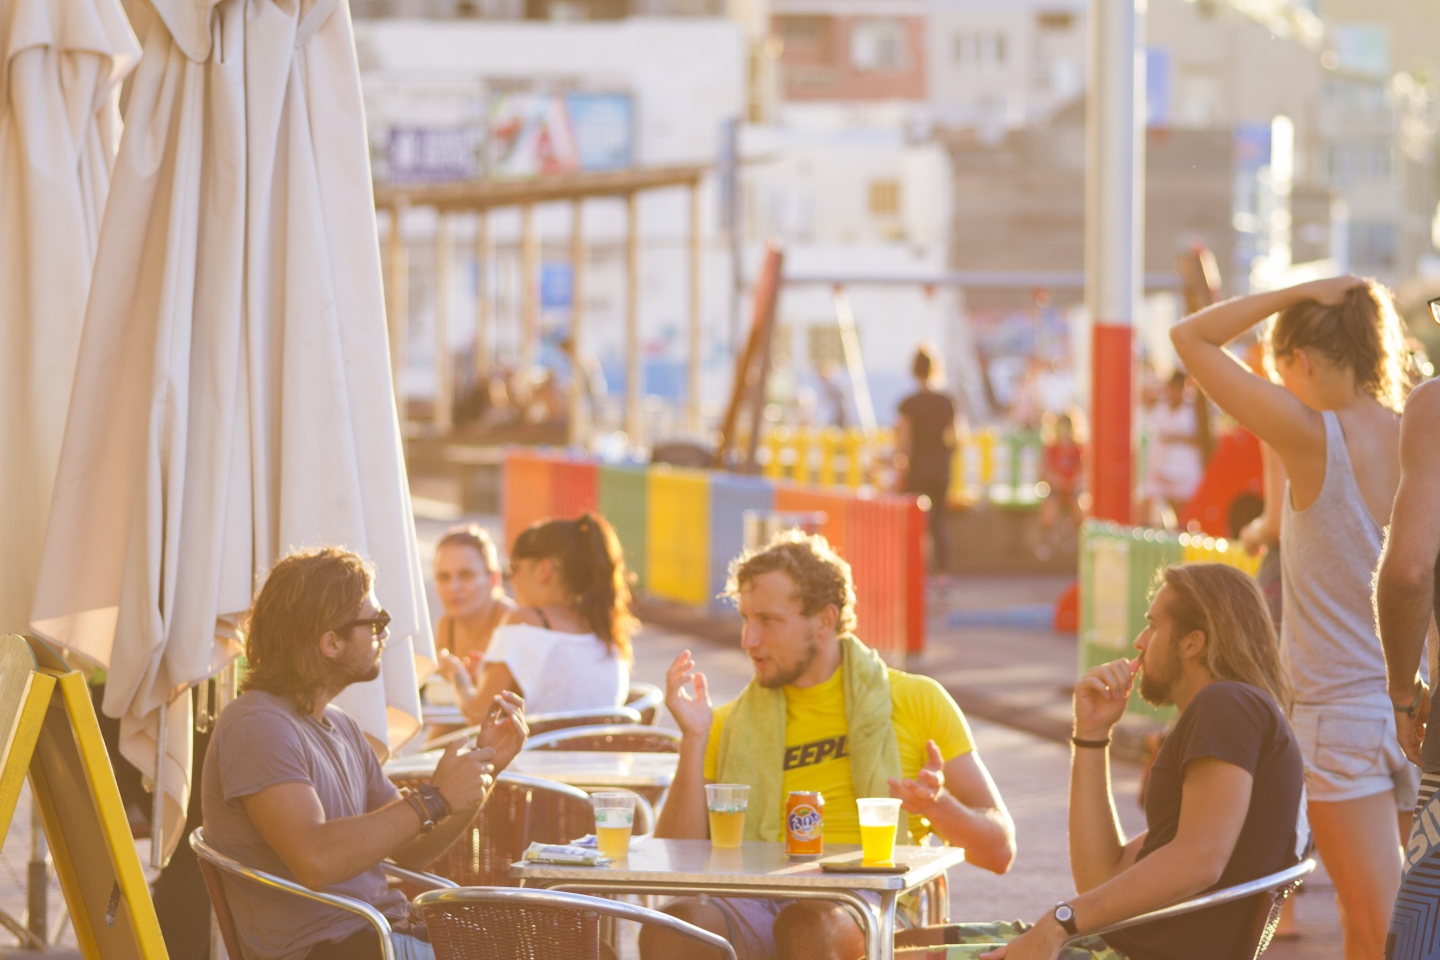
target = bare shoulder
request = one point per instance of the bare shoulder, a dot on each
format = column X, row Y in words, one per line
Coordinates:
column 524, row 615
column 1424, row 403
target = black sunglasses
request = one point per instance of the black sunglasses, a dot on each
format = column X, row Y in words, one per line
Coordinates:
column 378, row 624
column 1435, row 309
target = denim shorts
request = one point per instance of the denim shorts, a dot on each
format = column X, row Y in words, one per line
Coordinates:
column 1351, row 752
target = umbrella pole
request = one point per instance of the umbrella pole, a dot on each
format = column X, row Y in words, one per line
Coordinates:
column 157, row 809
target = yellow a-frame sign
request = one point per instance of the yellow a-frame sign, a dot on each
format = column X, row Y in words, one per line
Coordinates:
column 48, row 730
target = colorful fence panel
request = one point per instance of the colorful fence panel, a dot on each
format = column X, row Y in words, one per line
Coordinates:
column 527, row 494
column 575, row 489
column 681, row 528
column 1118, row 567
column 730, row 496
column 678, row 535
column 622, row 495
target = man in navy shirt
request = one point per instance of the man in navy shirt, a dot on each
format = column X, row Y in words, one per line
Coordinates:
column 1224, row 799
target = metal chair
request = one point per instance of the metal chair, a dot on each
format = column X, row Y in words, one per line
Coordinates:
column 519, row 811
column 1270, row 892
column 647, row 699
column 525, row 924
column 614, row 738
column 546, row 722
column 214, row 865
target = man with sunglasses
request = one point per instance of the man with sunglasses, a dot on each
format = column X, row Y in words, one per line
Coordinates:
column 291, row 786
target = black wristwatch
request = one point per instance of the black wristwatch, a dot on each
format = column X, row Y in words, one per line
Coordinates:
column 435, row 803
column 1065, row 916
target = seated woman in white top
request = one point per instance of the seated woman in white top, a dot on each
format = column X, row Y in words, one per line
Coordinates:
column 568, row 646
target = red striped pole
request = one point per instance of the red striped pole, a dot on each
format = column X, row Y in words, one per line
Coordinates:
column 1114, row 244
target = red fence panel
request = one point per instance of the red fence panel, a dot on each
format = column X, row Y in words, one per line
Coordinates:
column 916, row 621
column 808, row 499
column 528, row 497
column 575, row 489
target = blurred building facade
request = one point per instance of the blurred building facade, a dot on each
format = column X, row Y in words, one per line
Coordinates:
column 890, row 142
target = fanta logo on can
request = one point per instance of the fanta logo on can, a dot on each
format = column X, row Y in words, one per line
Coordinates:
column 804, row 822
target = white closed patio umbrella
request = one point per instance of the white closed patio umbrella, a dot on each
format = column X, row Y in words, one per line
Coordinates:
column 232, row 399
column 61, row 63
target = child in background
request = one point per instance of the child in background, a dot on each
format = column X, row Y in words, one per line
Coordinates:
column 1061, row 469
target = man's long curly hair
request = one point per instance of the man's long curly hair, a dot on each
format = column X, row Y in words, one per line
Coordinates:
column 820, row 576
column 308, row 594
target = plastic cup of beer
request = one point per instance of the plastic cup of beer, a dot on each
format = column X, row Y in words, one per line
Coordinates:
column 614, row 820
column 726, row 802
column 878, row 819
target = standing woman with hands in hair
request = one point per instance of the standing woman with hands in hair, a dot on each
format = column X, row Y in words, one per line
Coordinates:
column 567, row 647
column 1335, row 424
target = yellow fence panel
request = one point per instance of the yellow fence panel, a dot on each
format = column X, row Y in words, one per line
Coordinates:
column 678, row 535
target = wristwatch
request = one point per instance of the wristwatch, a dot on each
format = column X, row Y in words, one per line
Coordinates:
column 1065, row 916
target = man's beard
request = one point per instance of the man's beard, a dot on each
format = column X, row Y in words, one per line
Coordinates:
column 812, row 650
column 343, row 674
column 1156, row 684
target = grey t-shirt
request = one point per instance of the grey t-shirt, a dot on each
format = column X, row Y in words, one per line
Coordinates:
column 261, row 740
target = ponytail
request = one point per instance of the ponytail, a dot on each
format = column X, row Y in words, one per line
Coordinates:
column 592, row 568
column 1362, row 332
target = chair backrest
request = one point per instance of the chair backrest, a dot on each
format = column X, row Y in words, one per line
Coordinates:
column 560, row 719
column 224, row 919
column 505, row 924
column 647, row 699
column 520, row 810
column 1264, row 920
column 614, row 738
column 1270, row 893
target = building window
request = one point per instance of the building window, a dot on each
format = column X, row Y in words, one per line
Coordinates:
column 979, row 51
column 878, row 46
column 1359, row 162
column 885, row 198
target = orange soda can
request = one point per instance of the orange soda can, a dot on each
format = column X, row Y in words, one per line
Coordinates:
column 804, row 824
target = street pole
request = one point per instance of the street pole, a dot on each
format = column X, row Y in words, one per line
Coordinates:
column 1114, row 242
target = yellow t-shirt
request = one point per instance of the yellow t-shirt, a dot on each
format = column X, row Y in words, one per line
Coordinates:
column 816, row 756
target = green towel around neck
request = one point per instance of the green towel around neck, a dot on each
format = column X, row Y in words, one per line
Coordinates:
column 752, row 742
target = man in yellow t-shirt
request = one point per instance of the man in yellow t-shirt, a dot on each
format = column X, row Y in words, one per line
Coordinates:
column 796, row 599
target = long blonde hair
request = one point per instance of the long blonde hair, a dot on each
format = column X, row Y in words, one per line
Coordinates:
column 1362, row 332
column 1227, row 606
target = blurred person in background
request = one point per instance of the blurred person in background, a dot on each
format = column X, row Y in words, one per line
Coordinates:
column 1062, row 469
column 469, row 582
column 567, row 647
column 924, row 447
column 1337, row 347
column 1178, row 427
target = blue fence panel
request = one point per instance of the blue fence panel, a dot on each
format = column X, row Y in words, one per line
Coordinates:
column 730, row 497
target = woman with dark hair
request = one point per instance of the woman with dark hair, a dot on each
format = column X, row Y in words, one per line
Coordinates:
column 567, row 647
column 924, row 445
column 1338, row 350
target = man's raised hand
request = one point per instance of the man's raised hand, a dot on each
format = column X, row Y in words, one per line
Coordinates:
column 920, row 794
column 1100, row 697
column 464, row 779
column 505, row 729
column 692, row 711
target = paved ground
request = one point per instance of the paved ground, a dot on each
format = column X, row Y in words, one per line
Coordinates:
column 1013, row 684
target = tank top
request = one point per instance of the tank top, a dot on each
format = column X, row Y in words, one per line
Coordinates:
column 1328, row 556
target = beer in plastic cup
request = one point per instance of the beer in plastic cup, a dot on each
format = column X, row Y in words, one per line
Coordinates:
column 614, row 819
column 726, row 803
column 878, row 819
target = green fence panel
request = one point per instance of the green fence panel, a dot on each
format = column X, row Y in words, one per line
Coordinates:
column 622, row 502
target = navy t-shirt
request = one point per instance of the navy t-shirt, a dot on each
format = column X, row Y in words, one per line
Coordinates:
column 1243, row 725
column 930, row 414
